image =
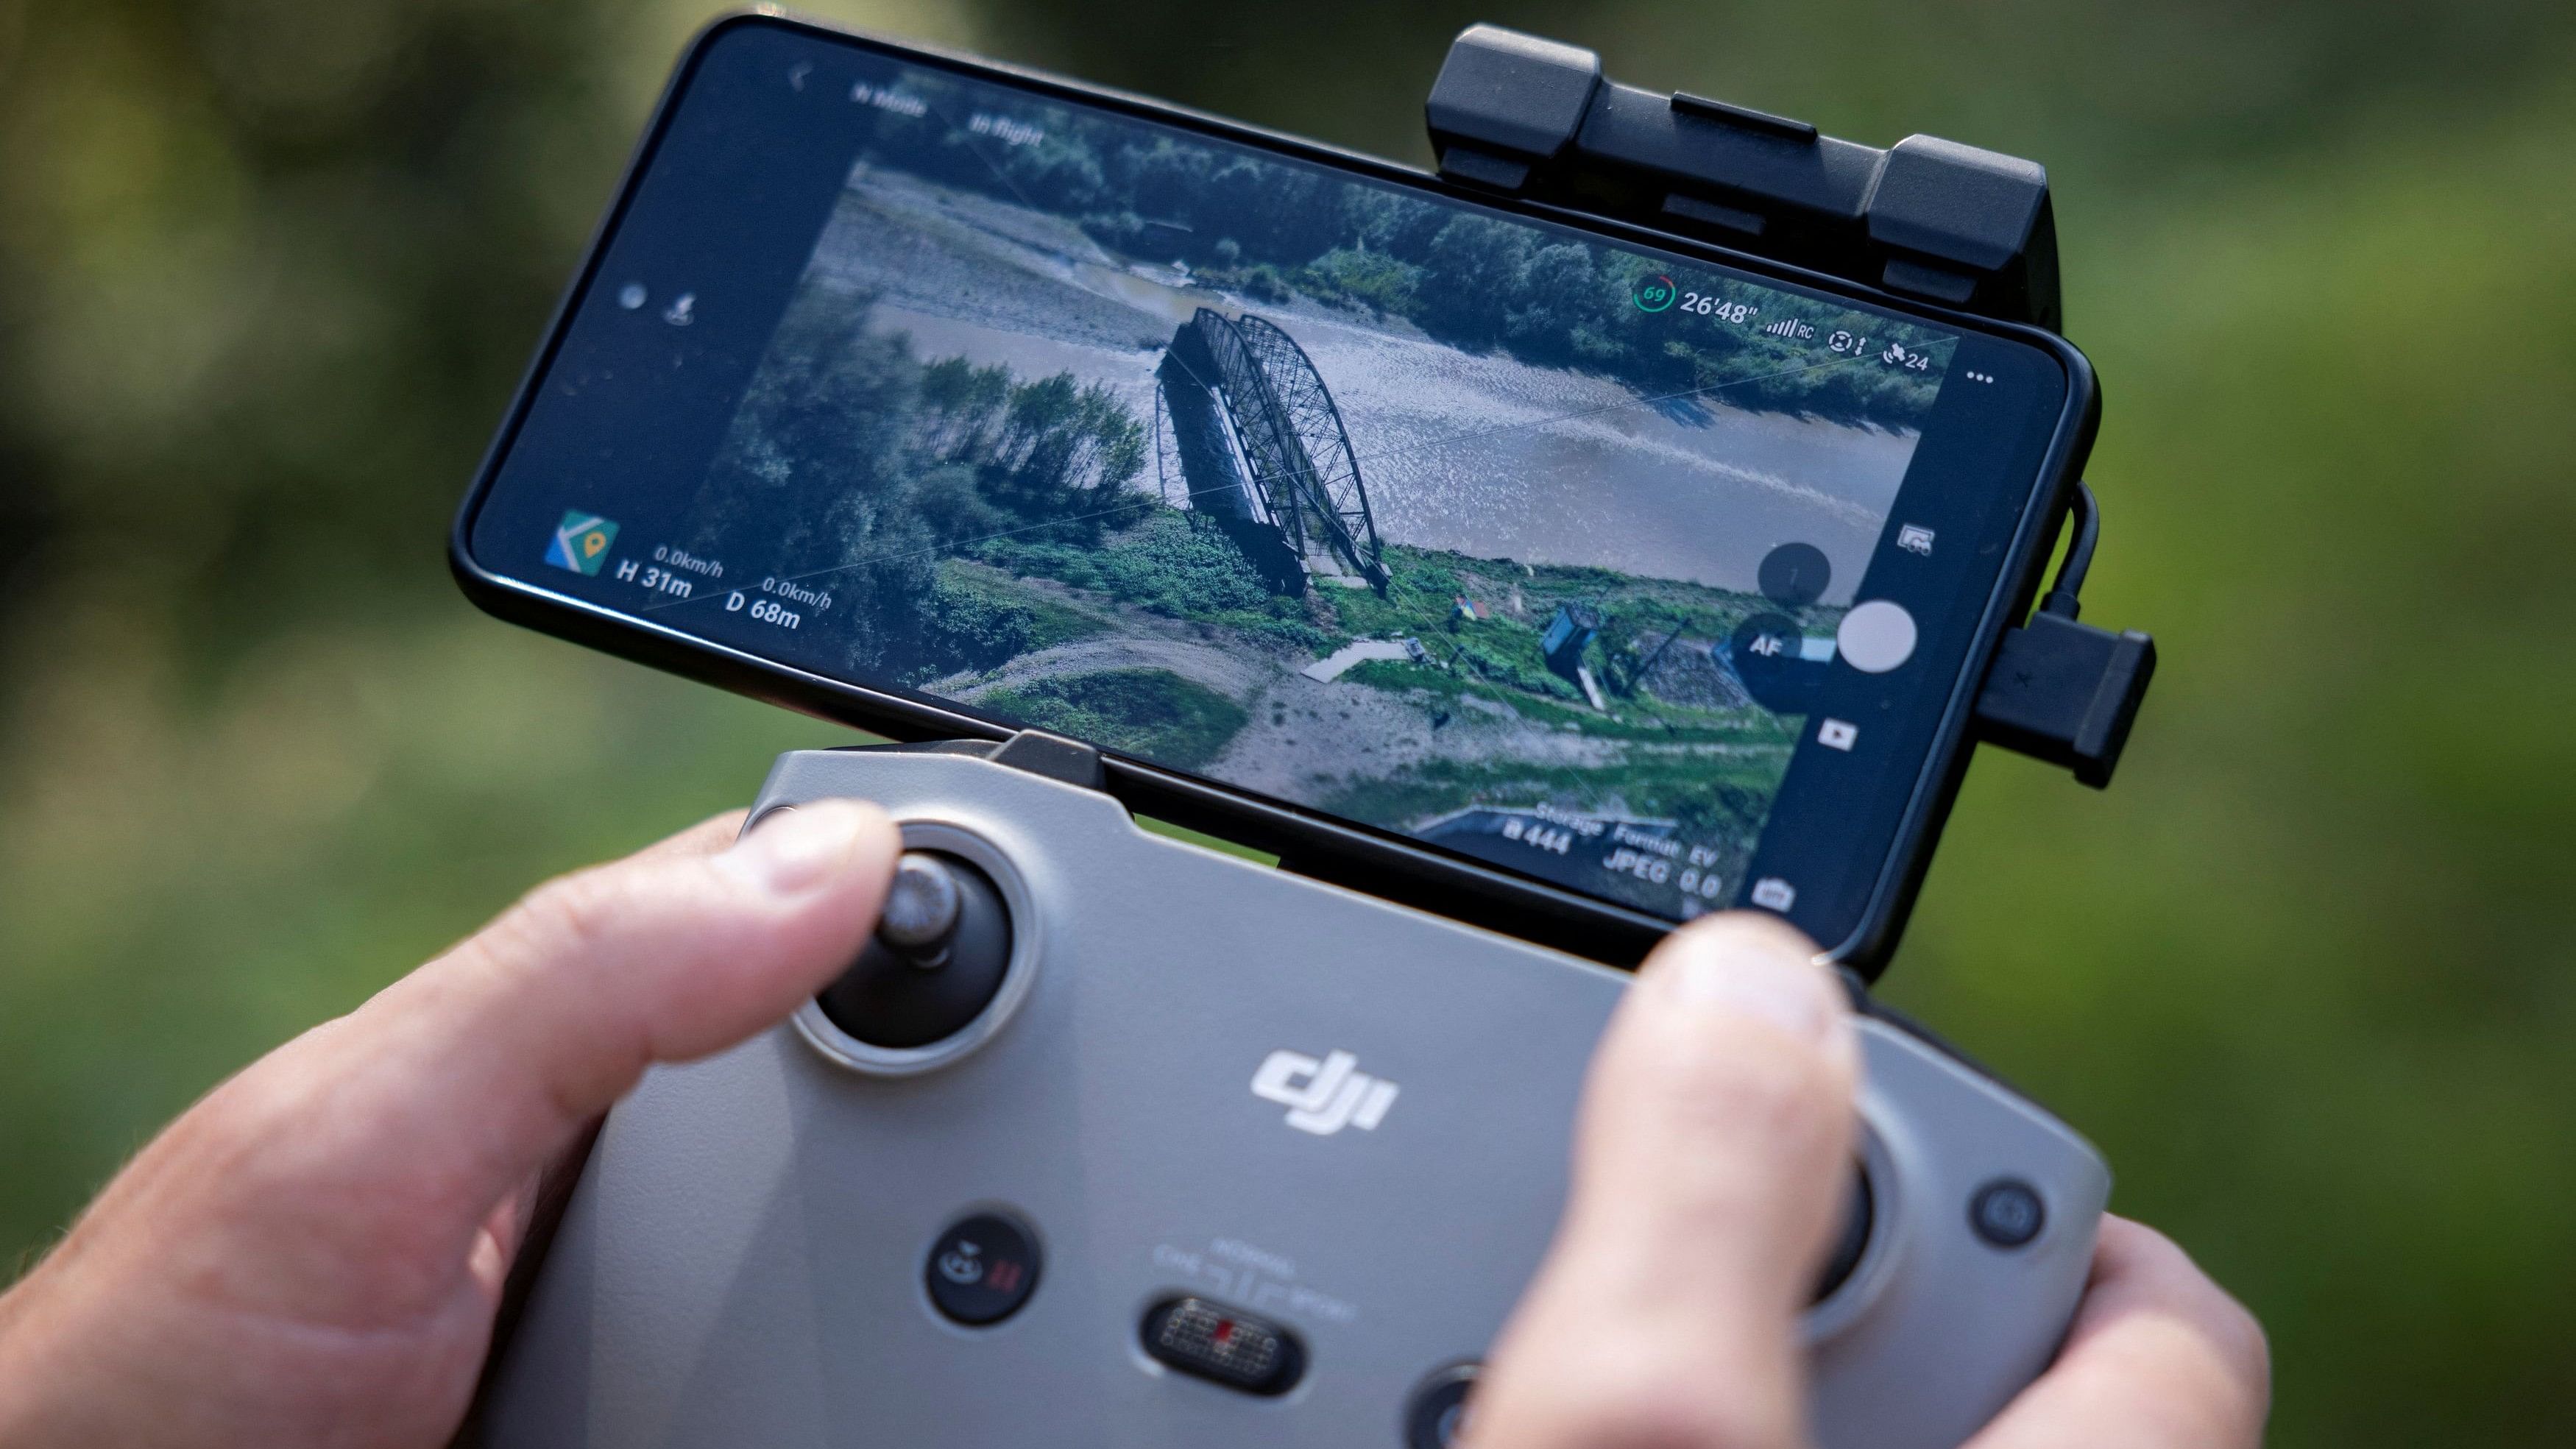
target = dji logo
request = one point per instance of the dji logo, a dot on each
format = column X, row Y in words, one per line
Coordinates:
column 1323, row 1097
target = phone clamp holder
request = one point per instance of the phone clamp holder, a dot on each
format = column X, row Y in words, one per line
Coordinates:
column 1926, row 219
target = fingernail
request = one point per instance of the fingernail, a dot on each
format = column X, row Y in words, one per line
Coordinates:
column 1770, row 981
column 791, row 851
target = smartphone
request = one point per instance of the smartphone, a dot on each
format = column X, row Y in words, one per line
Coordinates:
column 1565, row 578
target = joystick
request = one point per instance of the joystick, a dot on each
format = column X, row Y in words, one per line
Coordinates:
column 936, row 961
column 922, row 907
column 1860, row 1214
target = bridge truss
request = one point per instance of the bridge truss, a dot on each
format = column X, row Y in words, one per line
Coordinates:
column 1291, row 467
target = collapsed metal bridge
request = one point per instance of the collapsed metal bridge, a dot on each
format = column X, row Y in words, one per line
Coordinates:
column 1246, row 433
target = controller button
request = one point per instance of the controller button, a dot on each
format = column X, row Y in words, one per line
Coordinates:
column 1223, row 1345
column 1859, row 1216
column 1437, row 1414
column 2007, row 1213
column 982, row 1269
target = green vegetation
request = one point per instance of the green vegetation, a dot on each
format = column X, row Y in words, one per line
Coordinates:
column 1567, row 304
column 922, row 462
column 1169, row 564
column 1356, row 276
column 1182, row 568
column 977, row 614
column 1149, row 712
column 1500, row 653
column 1273, row 231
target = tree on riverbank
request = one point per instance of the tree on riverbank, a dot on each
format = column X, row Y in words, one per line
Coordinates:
column 1272, row 230
column 853, row 459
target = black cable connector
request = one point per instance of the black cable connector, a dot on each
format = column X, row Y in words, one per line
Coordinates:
column 2062, row 691
column 2087, row 516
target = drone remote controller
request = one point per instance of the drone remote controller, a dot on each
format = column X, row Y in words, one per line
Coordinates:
column 1112, row 1140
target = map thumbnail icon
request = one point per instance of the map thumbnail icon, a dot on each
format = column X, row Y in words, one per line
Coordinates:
column 581, row 542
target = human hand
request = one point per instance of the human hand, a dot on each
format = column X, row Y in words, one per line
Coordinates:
column 1710, row 1166
column 313, row 1253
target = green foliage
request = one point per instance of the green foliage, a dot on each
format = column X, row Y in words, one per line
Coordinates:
column 1359, row 277
column 1169, row 565
column 1498, row 658
column 1273, row 232
column 1162, row 563
column 1150, row 712
column 976, row 619
column 923, row 461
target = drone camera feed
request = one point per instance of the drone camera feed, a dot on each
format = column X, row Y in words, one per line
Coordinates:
column 1493, row 534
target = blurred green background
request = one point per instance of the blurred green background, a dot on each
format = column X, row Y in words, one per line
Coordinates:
column 268, row 271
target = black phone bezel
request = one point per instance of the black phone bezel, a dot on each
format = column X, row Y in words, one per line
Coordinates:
column 1309, row 842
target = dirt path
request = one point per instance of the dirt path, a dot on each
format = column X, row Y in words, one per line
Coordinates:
column 1307, row 739
column 1310, row 737
column 1236, row 674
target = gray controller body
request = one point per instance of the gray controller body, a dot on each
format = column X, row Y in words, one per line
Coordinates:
column 743, row 1260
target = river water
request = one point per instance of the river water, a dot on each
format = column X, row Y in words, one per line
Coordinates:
column 1481, row 454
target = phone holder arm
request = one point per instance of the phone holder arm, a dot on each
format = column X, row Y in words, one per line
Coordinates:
column 1926, row 218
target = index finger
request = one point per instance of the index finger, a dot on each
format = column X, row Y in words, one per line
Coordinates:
column 2159, row 1358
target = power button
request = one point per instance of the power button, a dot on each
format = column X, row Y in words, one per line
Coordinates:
column 982, row 1269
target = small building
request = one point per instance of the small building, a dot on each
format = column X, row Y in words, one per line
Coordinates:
column 1568, row 635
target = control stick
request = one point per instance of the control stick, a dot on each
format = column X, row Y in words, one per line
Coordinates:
column 935, row 962
column 922, row 908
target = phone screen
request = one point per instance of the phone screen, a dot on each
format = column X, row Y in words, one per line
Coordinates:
column 1523, row 542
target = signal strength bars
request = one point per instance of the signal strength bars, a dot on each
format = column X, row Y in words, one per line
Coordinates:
column 1790, row 328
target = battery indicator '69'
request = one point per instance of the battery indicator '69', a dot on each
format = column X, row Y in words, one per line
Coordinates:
column 1656, row 293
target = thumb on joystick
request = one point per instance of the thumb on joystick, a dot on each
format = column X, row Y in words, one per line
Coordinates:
column 922, row 910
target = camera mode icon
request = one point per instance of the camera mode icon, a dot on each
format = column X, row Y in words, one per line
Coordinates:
column 1774, row 894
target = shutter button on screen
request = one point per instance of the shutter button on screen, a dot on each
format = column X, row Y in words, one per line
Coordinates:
column 982, row 1269
column 1876, row 637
